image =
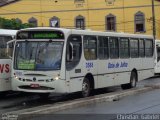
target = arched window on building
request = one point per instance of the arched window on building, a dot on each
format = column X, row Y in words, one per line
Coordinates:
column 33, row 21
column 110, row 22
column 80, row 22
column 54, row 22
column 18, row 20
column 139, row 20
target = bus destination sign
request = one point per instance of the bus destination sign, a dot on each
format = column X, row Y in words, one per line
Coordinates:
column 46, row 35
column 40, row 35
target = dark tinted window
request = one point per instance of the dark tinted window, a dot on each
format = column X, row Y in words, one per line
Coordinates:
column 103, row 51
column 134, row 48
column 141, row 48
column 148, row 47
column 124, row 47
column 90, row 47
column 114, row 48
column 74, row 51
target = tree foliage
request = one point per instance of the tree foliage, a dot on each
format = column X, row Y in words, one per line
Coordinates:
column 13, row 24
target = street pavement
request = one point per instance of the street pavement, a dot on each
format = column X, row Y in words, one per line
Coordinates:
column 142, row 106
column 145, row 101
column 148, row 102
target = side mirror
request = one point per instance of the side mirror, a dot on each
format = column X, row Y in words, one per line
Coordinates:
column 70, row 53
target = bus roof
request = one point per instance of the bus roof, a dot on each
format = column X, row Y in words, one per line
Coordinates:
column 8, row 32
column 90, row 32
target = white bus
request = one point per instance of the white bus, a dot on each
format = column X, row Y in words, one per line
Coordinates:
column 157, row 60
column 56, row 60
column 5, row 62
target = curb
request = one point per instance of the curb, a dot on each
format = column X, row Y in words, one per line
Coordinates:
column 157, row 86
column 51, row 108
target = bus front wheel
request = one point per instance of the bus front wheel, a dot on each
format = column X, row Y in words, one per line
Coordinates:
column 86, row 88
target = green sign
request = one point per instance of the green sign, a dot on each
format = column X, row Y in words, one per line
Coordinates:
column 45, row 35
column 26, row 65
column 40, row 35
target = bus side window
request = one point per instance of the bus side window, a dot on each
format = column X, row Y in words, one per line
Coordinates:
column 149, row 47
column 134, row 48
column 114, row 47
column 103, row 49
column 90, row 47
column 74, row 51
column 141, row 48
column 158, row 53
column 124, row 47
column 3, row 47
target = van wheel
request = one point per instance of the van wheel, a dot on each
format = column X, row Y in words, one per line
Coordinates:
column 86, row 88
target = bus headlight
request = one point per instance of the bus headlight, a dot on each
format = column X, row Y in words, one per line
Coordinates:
column 56, row 78
column 15, row 77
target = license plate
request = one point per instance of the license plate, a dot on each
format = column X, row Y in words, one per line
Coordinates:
column 34, row 85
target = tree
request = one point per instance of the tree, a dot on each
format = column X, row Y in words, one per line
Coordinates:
column 13, row 24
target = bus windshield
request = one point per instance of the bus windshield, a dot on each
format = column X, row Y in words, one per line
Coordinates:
column 38, row 55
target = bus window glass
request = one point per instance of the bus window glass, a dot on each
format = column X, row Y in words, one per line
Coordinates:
column 103, row 51
column 141, row 48
column 134, row 48
column 158, row 53
column 3, row 47
column 90, row 47
column 74, row 51
column 124, row 47
column 38, row 55
column 113, row 45
column 148, row 48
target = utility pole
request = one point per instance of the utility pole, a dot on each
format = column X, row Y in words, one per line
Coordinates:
column 88, row 14
column 153, row 23
column 41, row 13
column 124, row 27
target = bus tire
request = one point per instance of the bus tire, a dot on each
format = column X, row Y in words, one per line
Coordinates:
column 86, row 87
column 133, row 80
column 124, row 86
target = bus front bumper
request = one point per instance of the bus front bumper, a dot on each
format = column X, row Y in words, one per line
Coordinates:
column 36, row 89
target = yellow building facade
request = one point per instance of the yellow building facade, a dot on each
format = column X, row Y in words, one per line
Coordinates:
column 130, row 16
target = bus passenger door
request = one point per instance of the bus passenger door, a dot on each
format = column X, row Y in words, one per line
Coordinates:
column 73, row 63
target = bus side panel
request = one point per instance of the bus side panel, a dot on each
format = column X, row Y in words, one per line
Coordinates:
column 157, row 67
column 105, row 73
column 77, row 75
column 5, row 74
column 122, row 71
column 74, row 78
column 148, row 68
